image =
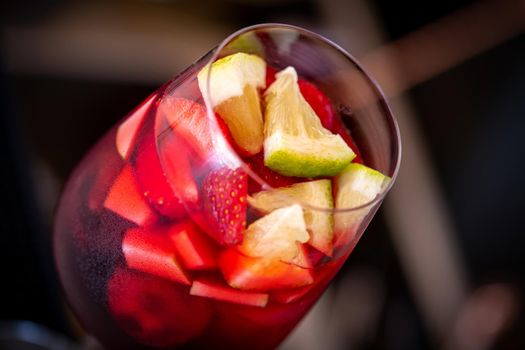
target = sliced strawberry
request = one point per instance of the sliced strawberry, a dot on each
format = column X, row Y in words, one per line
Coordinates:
column 155, row 311
column 188, row 120
column 261, row 274
column 152, row 252
column 272, row 178
column 125, row 199
column 224, row 203
column 214, row 288
column 193, row 247
column 128, row 130
column 319, row 102
column 166, row 197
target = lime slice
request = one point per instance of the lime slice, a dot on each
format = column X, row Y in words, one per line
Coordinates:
column 295, row 142
column 234, row 81
column 276, row 235
column 355, row 186
column 316, row 193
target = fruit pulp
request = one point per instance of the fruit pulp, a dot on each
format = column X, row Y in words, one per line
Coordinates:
column 141, row 294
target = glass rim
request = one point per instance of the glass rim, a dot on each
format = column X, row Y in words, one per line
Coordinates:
column 372, row 82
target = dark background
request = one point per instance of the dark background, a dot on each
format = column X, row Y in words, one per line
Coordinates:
column 471, row 117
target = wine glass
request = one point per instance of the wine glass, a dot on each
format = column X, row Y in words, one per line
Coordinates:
column 192, row 224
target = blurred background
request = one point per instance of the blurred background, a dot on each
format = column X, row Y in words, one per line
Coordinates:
column 441, row 267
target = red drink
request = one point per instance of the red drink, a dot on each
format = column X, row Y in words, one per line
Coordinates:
column 180, row 228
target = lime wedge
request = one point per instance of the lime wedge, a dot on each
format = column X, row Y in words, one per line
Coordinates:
column 295, row 142
column 234, row 81
column 316, row 193
column 276, row 235
column 355, row 186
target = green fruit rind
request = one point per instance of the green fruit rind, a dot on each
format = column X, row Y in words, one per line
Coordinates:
column 284, row 154
column 296, row 143
column 230, row 74
column 317, row 194
column 355, row 186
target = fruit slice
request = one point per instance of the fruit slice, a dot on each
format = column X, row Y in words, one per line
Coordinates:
column 216, row 289
column 233, row 84
column 319, row 102
column 261, row 274
column 188, row 121
column 295, row 142
column 315, row 193
column 155, row 311
column 127, row 131
column 194, row 249
column 355, row 186
column 224, row 204
column 275, row 236
column 152, row 252
column 167, row 198
column 267, row 175
column 290, row 295
column 125, row 199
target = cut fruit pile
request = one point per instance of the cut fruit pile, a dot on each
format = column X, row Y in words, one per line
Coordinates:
column 242, row 243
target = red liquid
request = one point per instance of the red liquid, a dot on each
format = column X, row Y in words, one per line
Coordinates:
column 128, row 266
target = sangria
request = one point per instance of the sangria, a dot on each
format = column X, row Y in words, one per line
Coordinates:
column 217, row 212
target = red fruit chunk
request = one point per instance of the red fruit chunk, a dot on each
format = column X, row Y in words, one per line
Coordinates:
column 166, row 197
column 189, row 121
column 152, row 252
column 319, row 102
column 224, row 204
column 290, row 295
column 127, row 131
column 216, row 289
column 272, row 178
column 195, row 250
column 270, row 75
column 314, row 256
column 261, row 274
column 154, row 311
column 340, row 129
column 125, row 199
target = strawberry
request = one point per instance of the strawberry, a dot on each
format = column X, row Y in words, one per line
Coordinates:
column 267, row 175
column 224, row 203
column 319, row 102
